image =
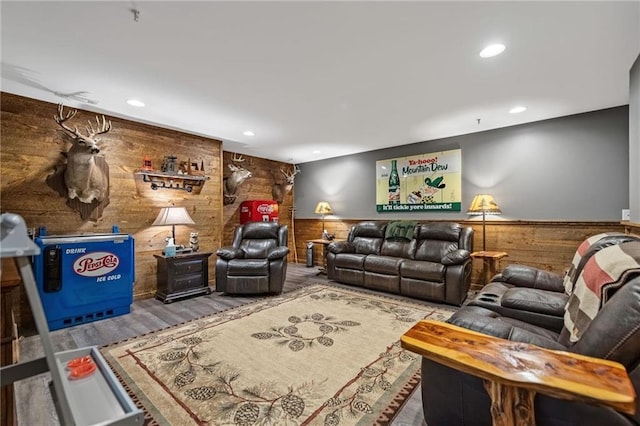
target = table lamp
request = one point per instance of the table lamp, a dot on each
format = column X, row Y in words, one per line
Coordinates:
column 323, row 208
column 483, row 204
column 173, row 216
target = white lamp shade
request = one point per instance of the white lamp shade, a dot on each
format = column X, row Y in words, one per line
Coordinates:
column 173, row 216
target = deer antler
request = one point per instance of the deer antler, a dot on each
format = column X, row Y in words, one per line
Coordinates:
column 102, row 128
column 61, row 118
column 290, row 175
column 237, row 158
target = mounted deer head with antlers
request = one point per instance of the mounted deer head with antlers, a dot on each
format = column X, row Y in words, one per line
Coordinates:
column 83, row 178
column 238, row 175
column 279, row 190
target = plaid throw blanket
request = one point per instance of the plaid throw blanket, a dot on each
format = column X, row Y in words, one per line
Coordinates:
column 603, row 273
column 572, row 274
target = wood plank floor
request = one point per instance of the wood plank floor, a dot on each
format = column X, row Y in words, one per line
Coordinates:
column 33, row 399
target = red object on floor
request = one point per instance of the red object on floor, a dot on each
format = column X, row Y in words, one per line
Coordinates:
column 81, row 367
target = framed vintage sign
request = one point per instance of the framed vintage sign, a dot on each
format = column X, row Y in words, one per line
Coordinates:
column 420, row 183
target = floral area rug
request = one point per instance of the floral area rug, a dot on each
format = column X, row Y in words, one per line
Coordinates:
column 320, row 355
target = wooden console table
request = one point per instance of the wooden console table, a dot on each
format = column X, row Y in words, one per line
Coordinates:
column 513, row 372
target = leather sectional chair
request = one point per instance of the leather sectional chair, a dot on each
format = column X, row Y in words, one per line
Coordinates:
column 433, row 264
column 453, row 398
column 256, row 262
column 538, row 296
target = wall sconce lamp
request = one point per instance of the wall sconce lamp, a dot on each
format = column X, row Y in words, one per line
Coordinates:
column 323, row 208
column 483, row 204
column 173, row 216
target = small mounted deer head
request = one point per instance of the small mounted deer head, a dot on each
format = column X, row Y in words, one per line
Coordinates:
column 238, row 175
column 279, row 190
column 83, row 178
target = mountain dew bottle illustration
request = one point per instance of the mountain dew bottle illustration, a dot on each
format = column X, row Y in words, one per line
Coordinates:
column 394, row 184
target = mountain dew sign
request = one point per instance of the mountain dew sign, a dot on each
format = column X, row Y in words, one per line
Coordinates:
column 420, row 183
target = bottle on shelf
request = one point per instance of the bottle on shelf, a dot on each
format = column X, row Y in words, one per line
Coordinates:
column 394, row 184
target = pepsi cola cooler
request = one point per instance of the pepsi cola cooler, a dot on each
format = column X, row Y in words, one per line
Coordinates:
column 258, row 211
column 84, row 278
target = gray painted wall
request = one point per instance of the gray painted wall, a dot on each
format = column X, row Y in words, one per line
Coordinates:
column 634, row 141
column 571, row 168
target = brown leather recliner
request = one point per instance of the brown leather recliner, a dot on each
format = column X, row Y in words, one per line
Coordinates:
column 256, row 262
column 453, row 398
column 538, row 296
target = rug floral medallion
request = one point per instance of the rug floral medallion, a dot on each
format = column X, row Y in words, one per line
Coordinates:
column 320, row 355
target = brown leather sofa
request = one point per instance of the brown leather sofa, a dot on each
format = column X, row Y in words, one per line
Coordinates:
column 256, row 262
column 433, row 264
column 538, row 296
column 454, row 398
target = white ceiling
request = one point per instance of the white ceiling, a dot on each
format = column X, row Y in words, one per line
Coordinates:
column 332, row 76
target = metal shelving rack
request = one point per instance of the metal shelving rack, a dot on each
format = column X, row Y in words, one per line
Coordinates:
column 98, row 399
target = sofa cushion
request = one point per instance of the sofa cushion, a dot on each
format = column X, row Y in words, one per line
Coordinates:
column 533, row 300
column 399, row 247
column 434, row 250
column 367, row 237
column 246, row 267
column 446, row 231
column 488, row 322
column 528, row 276
column 423, row 270
column 257, row 249
column 383, row 264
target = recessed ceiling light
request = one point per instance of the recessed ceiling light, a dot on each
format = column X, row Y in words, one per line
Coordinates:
column 135, row 103
column 248, row 133
column 492, row 50
column 317, row 151
column 517, row 110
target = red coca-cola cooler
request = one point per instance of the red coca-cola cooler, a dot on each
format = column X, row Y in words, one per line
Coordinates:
column 259, row 211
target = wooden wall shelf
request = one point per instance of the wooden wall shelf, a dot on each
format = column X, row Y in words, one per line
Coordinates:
column 161, row 180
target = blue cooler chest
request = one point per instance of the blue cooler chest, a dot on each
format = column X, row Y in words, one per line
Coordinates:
column 84, row 278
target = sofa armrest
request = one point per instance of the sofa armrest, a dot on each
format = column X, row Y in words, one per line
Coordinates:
column 228, row 253
column 456, row 257
column 527, row 276
column 515, row 371
column 341, row 247
column 277, row 252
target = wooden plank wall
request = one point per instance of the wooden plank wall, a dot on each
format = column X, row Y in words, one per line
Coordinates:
column 542, row 244
column 264, row 173
column 31, row 146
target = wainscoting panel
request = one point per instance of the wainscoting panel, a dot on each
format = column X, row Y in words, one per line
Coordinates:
column 543, row 244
